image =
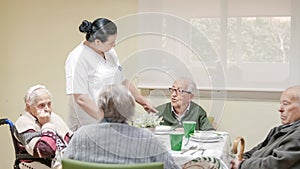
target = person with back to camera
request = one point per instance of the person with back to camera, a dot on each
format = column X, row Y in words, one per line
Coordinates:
column 92, row 65
column 113, row 140
column 39, row 129
column 281, row 148
column 182, row 108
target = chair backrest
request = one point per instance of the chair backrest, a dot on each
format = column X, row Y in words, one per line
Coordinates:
column 75, row 164
column 12, row 131
column 211, row 119
column 5, row 121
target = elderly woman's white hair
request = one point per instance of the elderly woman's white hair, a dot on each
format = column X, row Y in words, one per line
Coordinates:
column 117, row 104
column 33, row 92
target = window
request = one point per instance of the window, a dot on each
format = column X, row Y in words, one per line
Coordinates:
column 248, row 45
column 254, row 46
column 250, row 39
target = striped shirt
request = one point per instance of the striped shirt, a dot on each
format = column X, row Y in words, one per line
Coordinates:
column 117, row 143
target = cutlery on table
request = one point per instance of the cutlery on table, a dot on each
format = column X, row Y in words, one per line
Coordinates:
column 187, row 142
column 199, row 149
column 194, row 147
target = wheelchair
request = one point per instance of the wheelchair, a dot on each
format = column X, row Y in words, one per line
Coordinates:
column 21, row 154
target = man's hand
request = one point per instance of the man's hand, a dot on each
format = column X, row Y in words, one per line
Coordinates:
column 234, row 164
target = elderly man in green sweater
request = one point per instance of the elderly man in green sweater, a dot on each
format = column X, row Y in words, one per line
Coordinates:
column 182, row 108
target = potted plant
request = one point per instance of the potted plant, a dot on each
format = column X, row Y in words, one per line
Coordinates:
column 147, row 120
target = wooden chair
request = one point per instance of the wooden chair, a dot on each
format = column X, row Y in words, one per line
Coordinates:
column 211, row 119
column 75, row 164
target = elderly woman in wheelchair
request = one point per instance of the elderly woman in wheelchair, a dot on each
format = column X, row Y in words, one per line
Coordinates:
column 39, row 130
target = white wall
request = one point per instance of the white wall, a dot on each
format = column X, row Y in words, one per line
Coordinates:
column 36, row 37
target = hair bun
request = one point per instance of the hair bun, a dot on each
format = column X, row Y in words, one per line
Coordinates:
column 85, row 26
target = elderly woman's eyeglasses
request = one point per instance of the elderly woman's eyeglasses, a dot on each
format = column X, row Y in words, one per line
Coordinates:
column 178, row 91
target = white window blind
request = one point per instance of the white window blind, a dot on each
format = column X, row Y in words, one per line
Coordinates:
column 238, row 45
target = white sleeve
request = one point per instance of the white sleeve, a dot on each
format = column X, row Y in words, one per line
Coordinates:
column 76, row 74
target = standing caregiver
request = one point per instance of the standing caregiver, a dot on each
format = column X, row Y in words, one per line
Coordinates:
column 92, row 65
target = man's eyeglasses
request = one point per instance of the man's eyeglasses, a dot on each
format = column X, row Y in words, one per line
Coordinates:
column 179, row 91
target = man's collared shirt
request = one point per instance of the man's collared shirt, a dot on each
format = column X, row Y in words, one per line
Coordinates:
column 179, row 117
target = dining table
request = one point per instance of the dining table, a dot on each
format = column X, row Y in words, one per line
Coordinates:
column 218, row 146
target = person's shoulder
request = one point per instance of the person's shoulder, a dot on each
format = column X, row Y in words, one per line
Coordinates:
column 164, row 105
column 57, row 118
column 297, row 123
column 112, row 56
column 21, row 118
column 293, row 134
column 112, row 51
column 94, row 125
column 143, row 132
column 26, row 122
column 290, row 129
column 129, row 128
column 77, row 49
column 74, row 55
column 196, row 107
column 26, row 117
column 53, row 114
column 193, row 104
column 86, row 129
column 297, row 127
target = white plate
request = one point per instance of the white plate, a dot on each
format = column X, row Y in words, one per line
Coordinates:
column 211, row 140
column 163, row 128
column 162, row 132
column 206, row 136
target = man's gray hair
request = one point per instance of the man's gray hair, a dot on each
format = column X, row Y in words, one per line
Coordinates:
column 296, row 89
column 191, row 85
column 117, row 103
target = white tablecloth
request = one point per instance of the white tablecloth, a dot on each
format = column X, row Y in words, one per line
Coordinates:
column 219, row 149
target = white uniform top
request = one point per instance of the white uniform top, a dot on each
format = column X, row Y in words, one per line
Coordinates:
column 87, row 73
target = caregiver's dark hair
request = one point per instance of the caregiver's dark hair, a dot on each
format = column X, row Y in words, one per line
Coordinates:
column 100, row 29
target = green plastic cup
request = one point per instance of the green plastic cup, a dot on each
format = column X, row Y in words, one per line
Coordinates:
column 176, row 140
column 189, row 128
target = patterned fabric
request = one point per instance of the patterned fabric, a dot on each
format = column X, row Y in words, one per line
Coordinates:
column 33, row 165
column 41, row 141
column 203, row 163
